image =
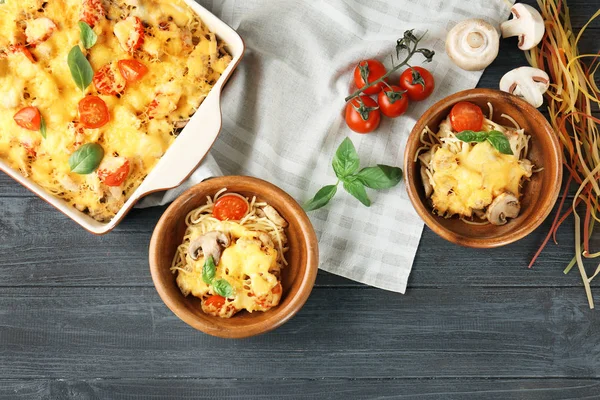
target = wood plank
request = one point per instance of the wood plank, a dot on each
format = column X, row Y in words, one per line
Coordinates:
column 321, row 389
column 77, row 258
column 370, row 333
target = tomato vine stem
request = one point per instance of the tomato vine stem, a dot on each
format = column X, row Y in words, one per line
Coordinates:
column 407, row 37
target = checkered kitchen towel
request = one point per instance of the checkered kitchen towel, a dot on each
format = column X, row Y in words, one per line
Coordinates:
column 282, row 115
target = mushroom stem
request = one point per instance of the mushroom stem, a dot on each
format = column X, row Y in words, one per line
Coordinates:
column 511, row 28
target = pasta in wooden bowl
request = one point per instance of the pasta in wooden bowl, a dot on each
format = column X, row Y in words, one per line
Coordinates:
column 265, row 266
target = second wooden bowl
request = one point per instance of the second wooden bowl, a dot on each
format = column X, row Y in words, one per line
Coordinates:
column 539, row 193
column 297, row 277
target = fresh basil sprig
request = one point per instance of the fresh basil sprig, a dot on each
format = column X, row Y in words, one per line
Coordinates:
column 87, row 35
column 209, row 270
column 220, row 286
column 495, row 138
column 80, row 67
column 223, row 288
column 86, row 159
column 43, row 127
column 345, row 165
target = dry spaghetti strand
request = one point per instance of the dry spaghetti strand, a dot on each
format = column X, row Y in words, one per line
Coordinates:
column 571, row 96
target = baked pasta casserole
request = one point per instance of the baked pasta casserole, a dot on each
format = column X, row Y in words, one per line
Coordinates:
column 94, row 92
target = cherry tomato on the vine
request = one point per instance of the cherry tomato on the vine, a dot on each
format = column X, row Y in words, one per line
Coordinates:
column 362, row 114
column 466, row 116
column 393, row 101
column 418, row 83
column 368, row 71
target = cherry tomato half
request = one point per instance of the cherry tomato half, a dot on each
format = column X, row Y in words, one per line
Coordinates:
column 373, row 70
column 29, row 118
column 19, row 48
column 362, row 114
column 108, row 82
column 215, row 301
column 132, row 70
column 93, row 112
column 230, row 207
column 466, row 116
column 418, row 83
column 113, row 171
column 393, row 102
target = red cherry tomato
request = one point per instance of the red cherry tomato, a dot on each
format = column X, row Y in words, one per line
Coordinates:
column 277, row 289
column 215, row 301
column 132, row 70
column 19, row 48
column 108, row 82
column 29, row 118
column 230, row 207
column 392, row 102
column 365, row 117
column 93, row 112
column 418, row 83
column 91, row 11
column 373, row 70
column 466, row 116
column 113, row 171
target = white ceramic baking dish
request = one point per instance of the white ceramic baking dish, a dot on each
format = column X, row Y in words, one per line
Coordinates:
column 184, row 155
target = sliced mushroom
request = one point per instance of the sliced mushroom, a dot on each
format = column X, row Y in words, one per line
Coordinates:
column 527, row 24
column 426, row 184
column 526, row 82
column 211, row 244
column 504, row 206
column 472, row 44
column 274, row 216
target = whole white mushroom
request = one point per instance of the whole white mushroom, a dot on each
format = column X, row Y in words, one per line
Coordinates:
column 472, row 44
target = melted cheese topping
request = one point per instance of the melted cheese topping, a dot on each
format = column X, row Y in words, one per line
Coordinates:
column 248, row 265
column 472, row 178
column 184, row 61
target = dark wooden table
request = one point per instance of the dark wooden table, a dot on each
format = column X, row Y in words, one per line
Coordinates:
column 80, row 319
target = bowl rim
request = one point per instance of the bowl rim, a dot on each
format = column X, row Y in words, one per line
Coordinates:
column 281, row 314
column 431, row 220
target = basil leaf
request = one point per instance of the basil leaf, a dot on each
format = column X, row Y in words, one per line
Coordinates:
column 86, row 159
column 223, row 288
column 500, row 142
column 322, row 197
column 80, row 67
column 87, row 35
column 345, row 162
column 209, row 270
column 43, row 127
column 380, row 177
column 357, row 189
column 471, row 136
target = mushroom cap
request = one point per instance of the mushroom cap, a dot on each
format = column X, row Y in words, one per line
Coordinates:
column 527, row 24
column 504, row 206
column 472, row 44
column 526, row 82
column 210, row 243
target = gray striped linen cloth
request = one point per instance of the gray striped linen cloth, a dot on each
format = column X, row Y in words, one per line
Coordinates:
column 283, row 115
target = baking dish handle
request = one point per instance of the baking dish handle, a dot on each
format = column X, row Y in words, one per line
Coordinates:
column 190, row 147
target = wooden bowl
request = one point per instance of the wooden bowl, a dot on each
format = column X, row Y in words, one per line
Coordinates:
column 539, row 193
column 297, row 278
